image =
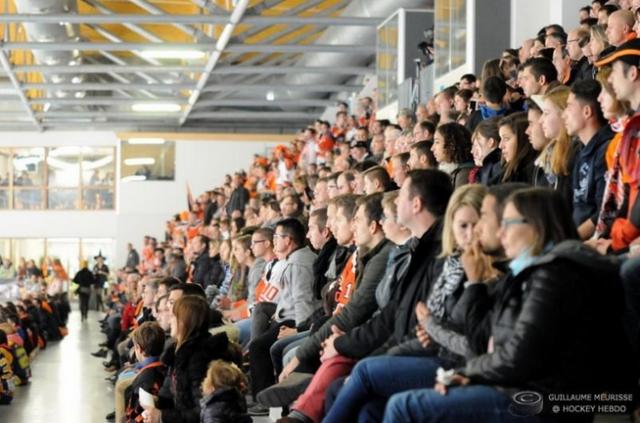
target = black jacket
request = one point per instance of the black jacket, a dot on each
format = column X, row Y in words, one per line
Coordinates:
column 491, row 171
column 557, row 327
column 581, row 70
column 396, row 322
column 179, row 397
column 238, row 200
column 84, row 278
column 207, row 270
column 225, row 405
column 589, row 177
column 321, row 264
column 524, row 172
column 362, row 304
column 133, row 259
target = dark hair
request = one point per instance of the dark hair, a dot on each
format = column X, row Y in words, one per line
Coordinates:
column 240, row 222
column 362, row 166
column 465, row 94
column 488, row 128
column 189, row 289
column 150, row 338
column 555, row 28
column 600, row 2
column 532, row 105
column 347, row 202
column 540, row 66
column 586, row 91
column 169, row 282
column 589, row 22
column 423, row 148
column 205, row 240
column 380, row 174
column 321, row 217
column 403, row 157
column 3, row 337
column 427, row 125
column 547, row 53
column 294, row 229
column 494, row 89
column 518, row 124
column 457, row 142
column 548, row 212
column 610, row 8
column 433, row 188
column 469, row 77
column 266, row 233
column 586, row 9
column 561, row 36
column 372, row 205
column 501, row 192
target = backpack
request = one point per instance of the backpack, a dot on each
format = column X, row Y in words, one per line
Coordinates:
column 21, row 365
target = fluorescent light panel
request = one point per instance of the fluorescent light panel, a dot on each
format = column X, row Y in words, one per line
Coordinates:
column 173, row 54
column 156, row 107
column 140, row 161
column 145, row 141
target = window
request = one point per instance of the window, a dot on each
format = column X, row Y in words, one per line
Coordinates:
column 57, row 178
column 147, row 160
column 68, row 250
column 387, row 62
column 450, row 35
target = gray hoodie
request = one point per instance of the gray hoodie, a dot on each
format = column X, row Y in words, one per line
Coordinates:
column 297, row 301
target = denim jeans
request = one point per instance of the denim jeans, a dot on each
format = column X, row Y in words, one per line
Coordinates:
column 244, row 326
column 277, row 349
column 473, row 403
column 375, row 379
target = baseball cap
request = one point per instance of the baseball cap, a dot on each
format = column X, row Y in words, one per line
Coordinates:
column 628, row 52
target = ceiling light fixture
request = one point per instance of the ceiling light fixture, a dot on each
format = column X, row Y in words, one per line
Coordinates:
column 140, row 161
column 173, row 54
column 145, row 141
column 271, row 96
column 156, row 107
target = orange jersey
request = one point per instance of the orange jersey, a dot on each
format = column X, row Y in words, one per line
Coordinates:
column 347, row 282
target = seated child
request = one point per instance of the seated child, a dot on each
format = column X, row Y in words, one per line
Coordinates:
column 223, row 394
column 148, row 344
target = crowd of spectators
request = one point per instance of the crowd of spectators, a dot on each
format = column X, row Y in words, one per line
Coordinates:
column 485, row 244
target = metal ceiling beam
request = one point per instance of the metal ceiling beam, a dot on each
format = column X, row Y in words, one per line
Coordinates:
column 106, row 68
column 265, row 103
column 133, row 27
column 6, row 65
column 110, row 86
column 244, row 115
column 221, row 45
column 234, row 48
column 186, row 19
column 193, row 32
column 282, row 87
column 223, row 70
column 251, row 70
column 162, row 116
column 104, row 101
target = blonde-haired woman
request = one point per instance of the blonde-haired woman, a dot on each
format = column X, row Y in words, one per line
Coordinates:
column 555, row 161
column 375, row 379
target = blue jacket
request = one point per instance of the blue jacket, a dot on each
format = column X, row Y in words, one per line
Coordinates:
column 588, row 177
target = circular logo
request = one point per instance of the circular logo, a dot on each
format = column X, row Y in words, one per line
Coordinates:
column 526, row 403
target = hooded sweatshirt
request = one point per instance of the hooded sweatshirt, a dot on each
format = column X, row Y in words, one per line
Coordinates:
column 297, row 301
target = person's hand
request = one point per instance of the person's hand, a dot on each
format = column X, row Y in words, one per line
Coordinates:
column 474, row 262
column 423, row 336
column 286, row 331
column 151, row 415
column 288, row 369
column 602, row 246
column 422, row 312
column 328, row 346
column 456, row 380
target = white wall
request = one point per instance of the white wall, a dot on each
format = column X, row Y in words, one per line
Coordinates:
column 142, row 207
column 528, row 17
column 146, row 206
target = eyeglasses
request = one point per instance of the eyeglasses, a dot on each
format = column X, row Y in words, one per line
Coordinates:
column 281, row 236
column 259, row 241
column 515, row 221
